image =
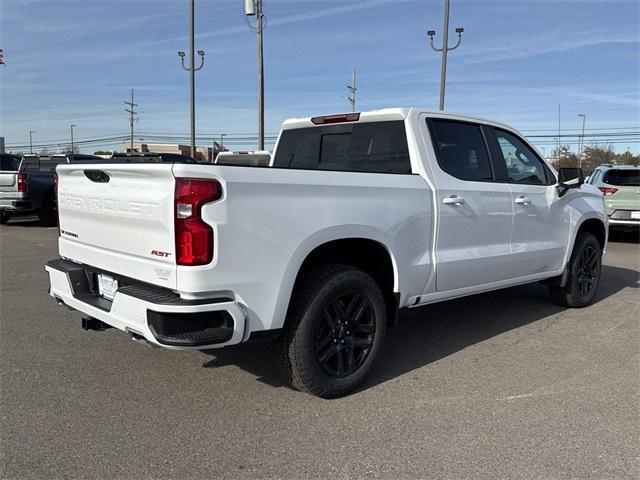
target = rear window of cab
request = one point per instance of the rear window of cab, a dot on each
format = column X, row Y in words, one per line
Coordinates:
column 373, row 147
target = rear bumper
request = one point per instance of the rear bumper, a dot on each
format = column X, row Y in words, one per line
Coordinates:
column 15, row 204
column 158, row 315
column 630, row 223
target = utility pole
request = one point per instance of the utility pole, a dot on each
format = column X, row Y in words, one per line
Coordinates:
column 31, row 132
column 192, row 72
column 131, row 113
column 222, row 135
column 581, row 142
column 352, row 89
column 72, row 149
column 251, row 8
column 445, row 49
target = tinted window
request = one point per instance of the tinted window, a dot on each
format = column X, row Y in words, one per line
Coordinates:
column 30, row 164
column 9, row 163
column 622, row 178
column 523, row 165
column 362, row 147
column 461, row 150
column 50, row 164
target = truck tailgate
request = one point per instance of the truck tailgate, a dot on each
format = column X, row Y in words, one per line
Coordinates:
column 119, row 218
column 8, row 181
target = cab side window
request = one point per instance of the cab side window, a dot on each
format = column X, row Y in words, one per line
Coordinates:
column 522, row 164
column 461, row 150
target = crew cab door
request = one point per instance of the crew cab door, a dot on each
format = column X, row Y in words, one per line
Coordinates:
column 541, row 222
column 474, row 211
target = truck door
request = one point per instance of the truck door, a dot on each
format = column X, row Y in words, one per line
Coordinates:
column 474, row 211
column 541, row 220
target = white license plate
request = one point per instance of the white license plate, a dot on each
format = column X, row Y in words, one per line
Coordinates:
column 107, row 286
column 635, row 215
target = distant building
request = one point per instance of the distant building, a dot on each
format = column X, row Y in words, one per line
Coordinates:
column 203, row 154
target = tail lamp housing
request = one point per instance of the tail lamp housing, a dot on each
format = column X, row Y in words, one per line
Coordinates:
column 22, row 183
column 607, row 191
column 194, row 237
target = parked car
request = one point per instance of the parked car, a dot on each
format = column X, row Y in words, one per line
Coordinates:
column 27, row 184
column 620, row 185
column 358, row 215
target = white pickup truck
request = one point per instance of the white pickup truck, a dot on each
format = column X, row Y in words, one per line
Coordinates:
column 356, row 216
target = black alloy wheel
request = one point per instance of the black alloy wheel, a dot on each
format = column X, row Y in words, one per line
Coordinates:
column 587, row 270
column 345, row 334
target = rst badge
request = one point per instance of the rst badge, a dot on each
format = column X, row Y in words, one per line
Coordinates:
column 158, row 253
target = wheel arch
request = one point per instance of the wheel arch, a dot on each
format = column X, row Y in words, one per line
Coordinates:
column 596, row 227
column 368, row 253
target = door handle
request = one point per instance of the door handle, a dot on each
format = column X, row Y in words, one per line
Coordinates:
column 522, row 201
column 453, row 200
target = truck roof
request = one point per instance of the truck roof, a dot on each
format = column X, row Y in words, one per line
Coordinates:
column 400, row 113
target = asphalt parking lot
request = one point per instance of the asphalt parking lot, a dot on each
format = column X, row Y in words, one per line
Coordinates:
column 500, row 385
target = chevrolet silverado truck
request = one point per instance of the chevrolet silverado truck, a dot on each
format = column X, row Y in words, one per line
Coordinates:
column 355, row 217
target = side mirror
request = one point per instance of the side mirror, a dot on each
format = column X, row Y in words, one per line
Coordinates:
column 569, row 177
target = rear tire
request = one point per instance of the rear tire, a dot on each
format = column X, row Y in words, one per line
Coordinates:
column 583, row 275
column 334, row 331
column 4, row 217
column 48, row 214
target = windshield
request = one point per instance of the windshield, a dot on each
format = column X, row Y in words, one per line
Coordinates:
column 9, row 163
column 623, row 178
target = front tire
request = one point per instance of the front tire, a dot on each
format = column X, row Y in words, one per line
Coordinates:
column 4, row 217
column 334, row 331
column 584, row 271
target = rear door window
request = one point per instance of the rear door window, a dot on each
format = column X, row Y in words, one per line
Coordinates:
column 461, row 150
column 622, row 177
column 375, row 147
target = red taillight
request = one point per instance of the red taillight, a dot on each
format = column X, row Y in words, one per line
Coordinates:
column 345, row 117
column 22, row 183
column 606, row 191
column 194, row 238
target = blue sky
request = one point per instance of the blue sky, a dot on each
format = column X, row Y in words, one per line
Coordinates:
column 74, row 61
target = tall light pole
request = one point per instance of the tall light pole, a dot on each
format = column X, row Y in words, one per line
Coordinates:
column 31, row 132
column 445, row 49
column 581, row 142
column 72, row 149
column 192, row 72
column 251, row 8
